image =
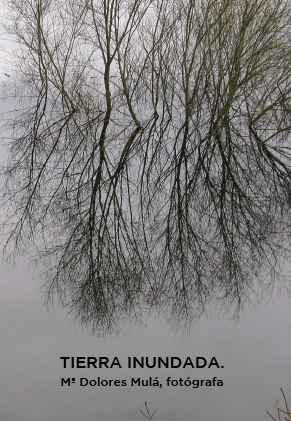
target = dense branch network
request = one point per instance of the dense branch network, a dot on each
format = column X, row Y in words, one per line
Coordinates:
column 150, row 158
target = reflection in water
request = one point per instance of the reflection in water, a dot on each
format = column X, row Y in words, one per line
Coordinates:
column 149, row 162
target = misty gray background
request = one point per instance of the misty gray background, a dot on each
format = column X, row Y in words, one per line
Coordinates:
column 255, row 352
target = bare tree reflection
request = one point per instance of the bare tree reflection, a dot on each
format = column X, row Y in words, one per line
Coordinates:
column 149, row 160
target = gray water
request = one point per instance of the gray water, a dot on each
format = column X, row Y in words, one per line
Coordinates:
column 255, row 353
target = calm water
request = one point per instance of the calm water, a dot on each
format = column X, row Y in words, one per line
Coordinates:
column 255, row 353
